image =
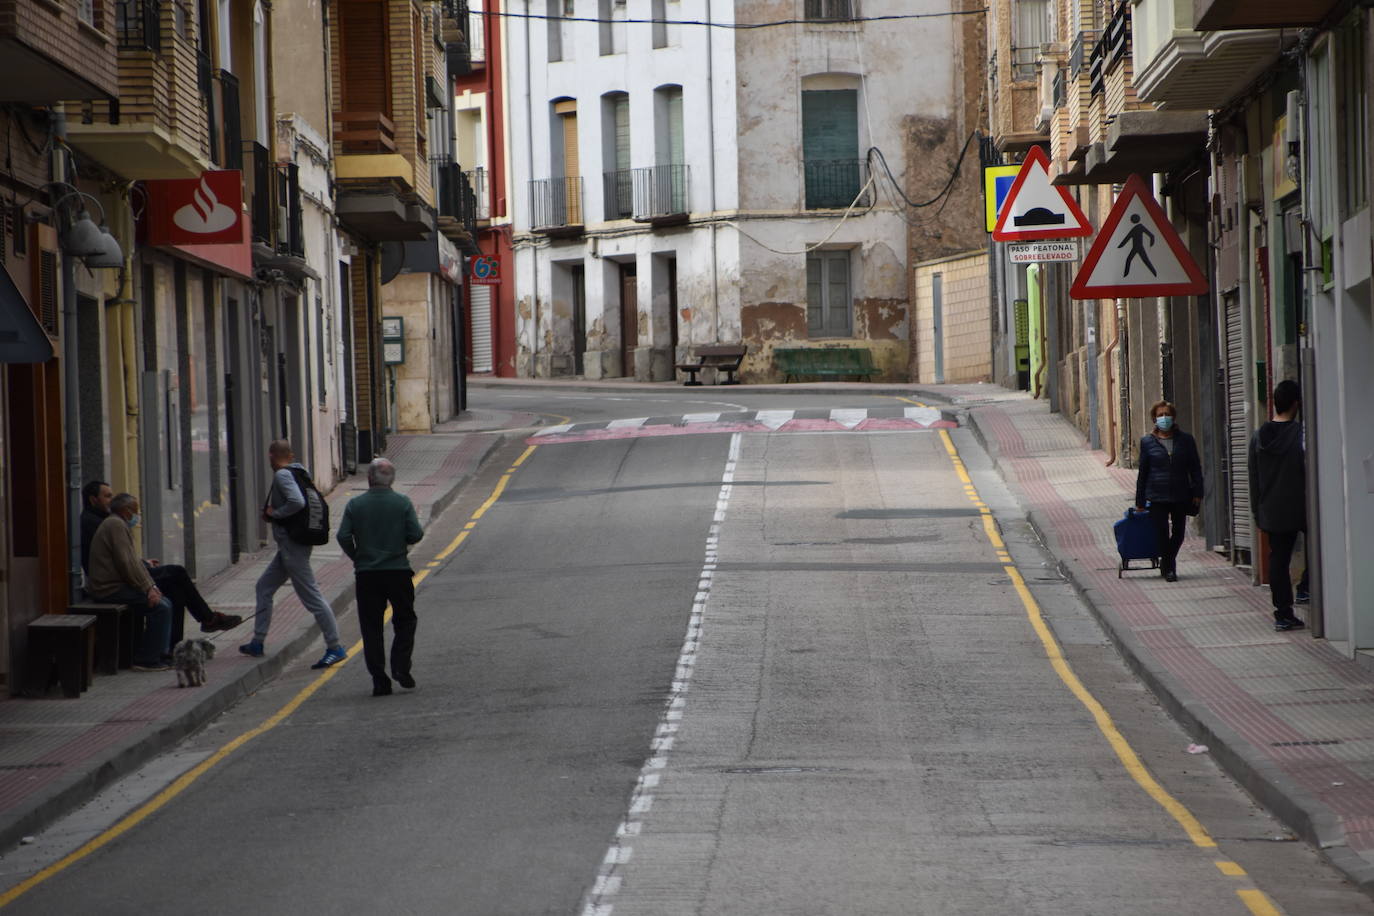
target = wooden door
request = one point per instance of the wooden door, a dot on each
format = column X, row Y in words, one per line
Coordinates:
column 629, row 319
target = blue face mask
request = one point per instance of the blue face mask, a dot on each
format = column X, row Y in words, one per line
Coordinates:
column 133, row 520
column 1164, row 423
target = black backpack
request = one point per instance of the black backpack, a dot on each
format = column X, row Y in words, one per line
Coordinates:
column 311, row 524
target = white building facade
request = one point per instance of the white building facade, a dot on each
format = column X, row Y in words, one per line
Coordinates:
column 678, row 185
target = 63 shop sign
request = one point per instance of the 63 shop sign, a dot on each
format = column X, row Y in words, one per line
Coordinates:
column 485, row 270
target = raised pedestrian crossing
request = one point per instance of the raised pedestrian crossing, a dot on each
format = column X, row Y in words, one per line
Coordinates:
column 863, row 419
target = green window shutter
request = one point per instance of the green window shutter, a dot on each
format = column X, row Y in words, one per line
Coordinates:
column 828, row 312
column 622, row 133
column 830, row 124
column 815, row 295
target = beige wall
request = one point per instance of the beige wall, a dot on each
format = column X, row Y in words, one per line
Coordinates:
column 967, row 336
column 407, row 296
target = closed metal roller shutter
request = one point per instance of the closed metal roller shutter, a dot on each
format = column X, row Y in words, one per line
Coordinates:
column 1238, row 429
column 479, row 307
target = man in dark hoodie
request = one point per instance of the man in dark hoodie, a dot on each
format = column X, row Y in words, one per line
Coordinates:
column 1278, row 495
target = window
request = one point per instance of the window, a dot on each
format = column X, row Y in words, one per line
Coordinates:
column 666, row 15
column 615, row 144
column 612, row 14
column 1031, row 28
column 1353, row 123
column 555, row 11
column 828, row 304
column 830, row 147
column 830, row 10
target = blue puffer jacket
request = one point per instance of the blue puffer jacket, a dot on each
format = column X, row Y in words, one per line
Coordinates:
column 1165, row 478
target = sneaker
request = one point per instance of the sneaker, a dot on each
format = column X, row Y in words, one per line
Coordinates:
column 332, row 657
column 1302, row 597
column 156, row 666
column 1284, row 624
column 252, row 647
column 220, row 621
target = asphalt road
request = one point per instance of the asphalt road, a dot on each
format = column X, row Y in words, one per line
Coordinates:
column 760, row 674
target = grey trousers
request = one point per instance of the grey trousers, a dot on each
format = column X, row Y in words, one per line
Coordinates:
column 293, row 562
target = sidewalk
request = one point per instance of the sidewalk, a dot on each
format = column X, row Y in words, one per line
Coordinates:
column 1286, row 715
column 56, row 753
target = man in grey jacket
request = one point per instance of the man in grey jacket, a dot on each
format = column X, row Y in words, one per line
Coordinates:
column 1278, row 495
column 292, row 562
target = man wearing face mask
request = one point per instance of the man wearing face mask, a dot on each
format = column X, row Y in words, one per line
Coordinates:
column 117, row 574
column 1170, row 482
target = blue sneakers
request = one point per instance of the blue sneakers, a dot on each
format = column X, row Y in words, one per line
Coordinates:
column 331, row 657
column 252, row 647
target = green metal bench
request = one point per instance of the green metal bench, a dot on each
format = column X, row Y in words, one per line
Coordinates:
column 825, row 361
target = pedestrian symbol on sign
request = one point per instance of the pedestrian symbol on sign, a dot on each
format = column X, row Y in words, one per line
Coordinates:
column 1137, row 239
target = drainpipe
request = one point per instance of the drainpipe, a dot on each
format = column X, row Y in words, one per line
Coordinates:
column 529, row 175
column 711, row 172
column 1111, row 417
column 1124, row 371
column 71, row 395
column 1164, row 317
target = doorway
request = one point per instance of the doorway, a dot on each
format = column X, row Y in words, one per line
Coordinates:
column 579, row 317
column 629, row 319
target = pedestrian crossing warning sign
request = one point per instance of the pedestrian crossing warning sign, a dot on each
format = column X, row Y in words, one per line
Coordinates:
column 1036, row 209
column 1137, row 253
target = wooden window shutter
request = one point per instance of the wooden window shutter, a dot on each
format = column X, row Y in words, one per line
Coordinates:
column 45, row 304
column 830, row 125
column 366, row 65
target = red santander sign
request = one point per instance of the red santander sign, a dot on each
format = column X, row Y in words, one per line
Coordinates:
column 195, row 211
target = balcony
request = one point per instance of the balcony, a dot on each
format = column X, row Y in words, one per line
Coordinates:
column 834, row 184
column 273, row 193
column 456, row 202
column 477, row 39
column 662, row 194
column 1014, row 107
column 376, row 182
column 1223, row 15
column 161, row 125
column 80, row 64
column 1177, row 67
column 556, row 206
column 477, row 179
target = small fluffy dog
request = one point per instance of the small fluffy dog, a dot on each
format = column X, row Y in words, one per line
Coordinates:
column 189, row 657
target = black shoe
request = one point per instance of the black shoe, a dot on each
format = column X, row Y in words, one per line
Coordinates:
column 1284, row 624
column 1171, row 576
column 406, row 681
column 381, row 689
column 220, row 621
column 1302, row 597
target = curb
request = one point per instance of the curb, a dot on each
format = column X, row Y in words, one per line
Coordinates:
column 1266, row 783
column 66, row 795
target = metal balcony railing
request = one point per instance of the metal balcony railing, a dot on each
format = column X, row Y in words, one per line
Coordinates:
column 619, row 194
column 139, row 24
column 1117, row 35
column 830, row 10
column 660, row 191
column 1059, row 89
column 1082, row 46
column 477, row 38
column 477, row 180
column 289, row 222
column 1097, row 69
column 459, row 58
column 555, row 202
column 835, row 183
column 258, row 189
column 455, row 196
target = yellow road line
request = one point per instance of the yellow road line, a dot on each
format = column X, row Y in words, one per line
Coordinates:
column 185, row 780
column 1230, row 869
column 1256, row 900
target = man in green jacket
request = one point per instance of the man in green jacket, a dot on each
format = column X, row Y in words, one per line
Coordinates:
column 377, row 530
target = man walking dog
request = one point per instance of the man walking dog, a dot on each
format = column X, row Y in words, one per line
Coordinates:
column 377, row 530
column 284, row 502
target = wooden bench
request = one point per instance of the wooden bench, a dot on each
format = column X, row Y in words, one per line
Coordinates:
column 116, row 628
column 720, row 357
column 64, row 644
column 825, row 361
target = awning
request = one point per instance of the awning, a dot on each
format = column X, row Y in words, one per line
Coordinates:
column 22, row 339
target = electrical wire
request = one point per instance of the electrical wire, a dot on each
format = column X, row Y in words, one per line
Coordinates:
column 734, row 26
column 849, row 211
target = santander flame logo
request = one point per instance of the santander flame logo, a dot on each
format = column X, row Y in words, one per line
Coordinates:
column 204, row 215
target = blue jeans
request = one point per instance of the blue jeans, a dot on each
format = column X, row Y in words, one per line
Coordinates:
column 156, row 640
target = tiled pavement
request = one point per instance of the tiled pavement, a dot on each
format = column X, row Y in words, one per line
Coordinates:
column 55, row 753
column 1287, row 715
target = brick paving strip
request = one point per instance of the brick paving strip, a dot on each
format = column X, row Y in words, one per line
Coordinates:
column 1287, row 716
column 55, row 754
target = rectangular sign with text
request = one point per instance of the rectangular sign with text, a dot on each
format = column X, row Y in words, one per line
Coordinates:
column 1034, row 252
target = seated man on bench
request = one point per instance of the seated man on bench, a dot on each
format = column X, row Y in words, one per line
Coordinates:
column 174, row 581
column 116, row 574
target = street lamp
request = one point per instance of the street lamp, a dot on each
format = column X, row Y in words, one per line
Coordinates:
column 83, row 238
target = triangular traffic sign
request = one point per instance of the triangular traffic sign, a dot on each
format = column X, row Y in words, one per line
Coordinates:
column 1036, row 209
column 1137, row 253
